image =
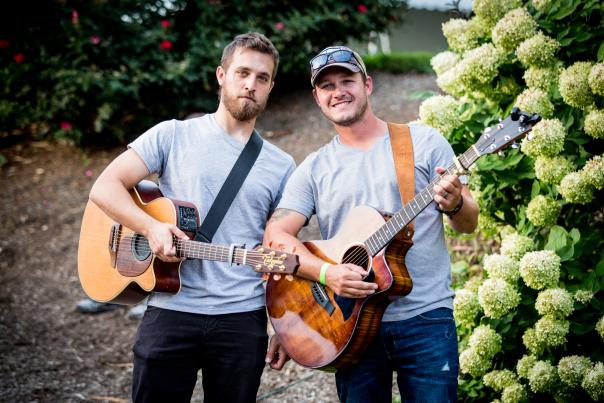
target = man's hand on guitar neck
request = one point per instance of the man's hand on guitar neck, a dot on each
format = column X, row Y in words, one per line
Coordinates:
column 161, row 240
column 346, row 280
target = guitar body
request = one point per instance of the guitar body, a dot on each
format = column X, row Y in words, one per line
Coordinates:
column 321, row 330
column 113, row 263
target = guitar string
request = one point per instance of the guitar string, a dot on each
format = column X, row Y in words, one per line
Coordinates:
column 359, row 257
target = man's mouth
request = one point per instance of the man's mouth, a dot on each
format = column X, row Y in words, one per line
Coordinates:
column 341, row 104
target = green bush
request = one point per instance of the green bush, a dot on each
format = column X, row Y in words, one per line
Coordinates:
column 542, row 292
column 400, row 62
column 102, row 70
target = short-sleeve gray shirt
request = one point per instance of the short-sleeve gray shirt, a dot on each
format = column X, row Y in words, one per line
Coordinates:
column 336, row 178
column 193, row 158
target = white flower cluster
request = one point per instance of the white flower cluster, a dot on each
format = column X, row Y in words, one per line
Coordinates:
column 596, row 79
column 444, row 61
column 572, row 369
column 513, row 28
column 542, row 377
column 546, row 139
column 478, row 67
column 552, row 169
column 500, row 379
column 463, row 35
column 574, row 85
column 493, row 10
column 515, row 245
column 543, row 78
column 540, row 269
column 524, row 365
column 465, row 306
column 515, row 393
column 484, row 343
column 555, row 302
column 593, row 172
column 593, row 383
column 534, row 100
column 497, row 297
column 542, row 5
column 551, row 332
column 442, row 113
column 600, row 327
column 538, row 51
column 594, row 123
column 575, row 189
column 583, row 296
column 543, row 211
column 501, row 267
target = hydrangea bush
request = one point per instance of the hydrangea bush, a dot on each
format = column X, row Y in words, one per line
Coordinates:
column 531, row 324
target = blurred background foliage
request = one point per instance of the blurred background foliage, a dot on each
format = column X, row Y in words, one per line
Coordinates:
column 102, row 71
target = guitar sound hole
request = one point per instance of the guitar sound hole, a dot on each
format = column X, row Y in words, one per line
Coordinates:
column 358, row 255
column 140, row 247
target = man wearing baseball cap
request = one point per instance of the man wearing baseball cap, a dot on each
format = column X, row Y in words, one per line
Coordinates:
column 417, row 336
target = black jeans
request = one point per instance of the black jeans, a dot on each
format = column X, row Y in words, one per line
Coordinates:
column 172, row 346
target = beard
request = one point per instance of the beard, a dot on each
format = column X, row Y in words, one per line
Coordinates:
column 242, row 110
column 349, row 121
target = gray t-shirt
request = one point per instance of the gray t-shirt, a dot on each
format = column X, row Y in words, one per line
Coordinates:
column 336, row 178
column 193, row 158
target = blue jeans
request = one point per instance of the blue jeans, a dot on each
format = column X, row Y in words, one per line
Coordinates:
column 423, row 352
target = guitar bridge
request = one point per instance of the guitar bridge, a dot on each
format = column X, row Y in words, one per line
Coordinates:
column 114, row 240
column 320, row 295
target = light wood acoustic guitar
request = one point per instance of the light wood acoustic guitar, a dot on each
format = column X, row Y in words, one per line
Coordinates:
column 116, row 265
column 322, row 330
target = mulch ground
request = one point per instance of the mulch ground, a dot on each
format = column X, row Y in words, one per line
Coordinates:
column 50, row 353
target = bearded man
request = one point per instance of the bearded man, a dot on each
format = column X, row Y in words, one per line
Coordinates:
column 217, row 322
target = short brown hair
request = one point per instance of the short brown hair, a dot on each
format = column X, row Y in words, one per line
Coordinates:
column 252, row 40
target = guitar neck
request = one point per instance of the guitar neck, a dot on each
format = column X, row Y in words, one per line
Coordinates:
column 386, row 233
column 205, row 251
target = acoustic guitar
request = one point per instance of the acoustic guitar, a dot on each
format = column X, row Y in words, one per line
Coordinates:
column 322, row 330
column 115, row 264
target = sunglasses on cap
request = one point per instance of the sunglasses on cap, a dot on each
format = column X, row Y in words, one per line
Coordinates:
column 335, row 56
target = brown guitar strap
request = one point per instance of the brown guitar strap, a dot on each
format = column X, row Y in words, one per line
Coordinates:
column 402, row 152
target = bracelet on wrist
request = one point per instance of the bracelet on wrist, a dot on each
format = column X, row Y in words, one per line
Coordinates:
column 455, row 210
column 323, row 272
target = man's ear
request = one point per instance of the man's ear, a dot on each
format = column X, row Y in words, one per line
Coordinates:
column 369, row 85
column 220, row 73
column 314, row 94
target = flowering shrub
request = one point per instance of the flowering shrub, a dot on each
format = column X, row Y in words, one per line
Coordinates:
column 542, row 292
column 111, row 69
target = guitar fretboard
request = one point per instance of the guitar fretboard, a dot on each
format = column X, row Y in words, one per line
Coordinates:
column 386, row 233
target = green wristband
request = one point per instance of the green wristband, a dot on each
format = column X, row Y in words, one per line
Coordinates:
column 324, row 268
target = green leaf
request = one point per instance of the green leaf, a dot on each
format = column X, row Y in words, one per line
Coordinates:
column 601, row 52
column 557, row 239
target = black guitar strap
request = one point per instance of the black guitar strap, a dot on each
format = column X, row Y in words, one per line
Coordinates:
column 230, row 188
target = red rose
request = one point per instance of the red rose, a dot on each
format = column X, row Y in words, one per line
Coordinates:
column 75, row 17
column 95, row 40
column 165, row 23
column 362, row 8
column 279, row 25
column 165, row 45
column 18, row 58
column 66, row 126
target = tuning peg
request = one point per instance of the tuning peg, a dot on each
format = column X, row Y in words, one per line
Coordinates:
column 261, row 250
column 500, row 153
column 515, row 145
column 534, row 119
column 529, row 137
column 515, row 114
column 276, row 277
column 289, row 277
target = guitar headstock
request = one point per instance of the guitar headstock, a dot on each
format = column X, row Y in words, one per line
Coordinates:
column 270, row 261
column 506, row 132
